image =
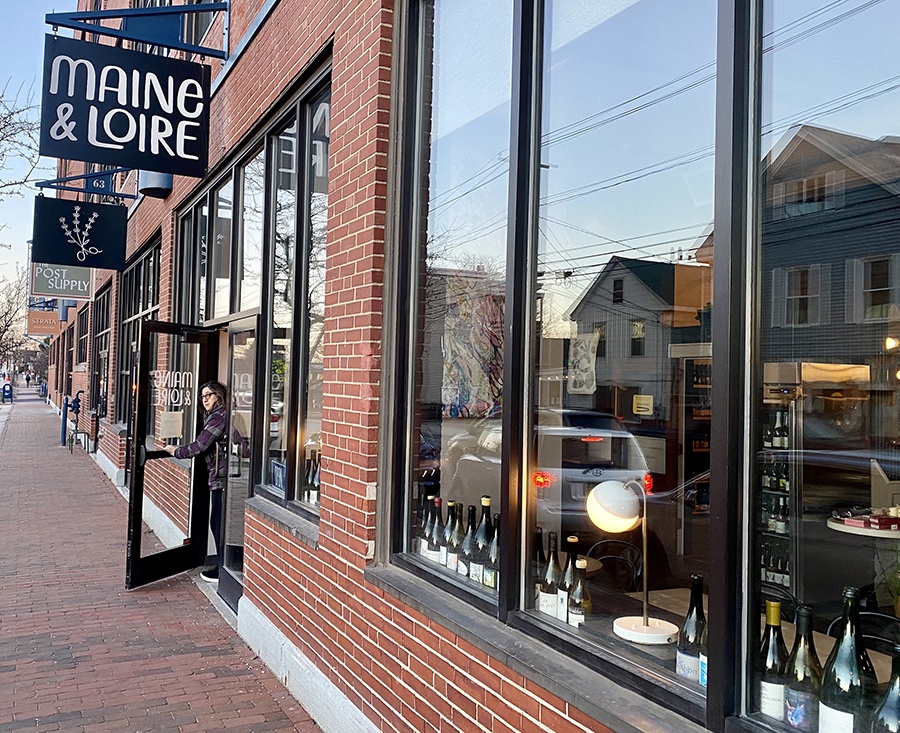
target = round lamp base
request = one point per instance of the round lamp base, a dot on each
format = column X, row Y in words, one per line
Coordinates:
column 656, row 632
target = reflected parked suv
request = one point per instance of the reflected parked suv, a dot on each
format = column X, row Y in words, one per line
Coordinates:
column 575, row 450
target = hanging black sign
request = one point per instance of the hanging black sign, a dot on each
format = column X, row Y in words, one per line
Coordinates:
column 102, row 104
column 75, row 233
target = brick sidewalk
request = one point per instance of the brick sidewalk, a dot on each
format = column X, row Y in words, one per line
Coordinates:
column 80, row 653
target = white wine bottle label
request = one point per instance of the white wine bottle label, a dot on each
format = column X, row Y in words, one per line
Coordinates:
column 476, row 572
column 433, row 555
column 687, row 666
column 576, row 617
column 489, row 578
column 771, row 700
column 562, row 605
column 462, row 567
column 801, row 710
column 443, row 559
column 704, row 664
column 547, row 603
column 834, row 721
column 452, row 560
column 423, row 546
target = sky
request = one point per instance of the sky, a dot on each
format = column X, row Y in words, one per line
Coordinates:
column 21, row 56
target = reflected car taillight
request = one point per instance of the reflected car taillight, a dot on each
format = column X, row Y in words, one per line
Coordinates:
column 543, row 479
column 648, row 483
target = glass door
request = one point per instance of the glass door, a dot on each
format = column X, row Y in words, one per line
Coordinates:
column 171, row 361
column 242, row 381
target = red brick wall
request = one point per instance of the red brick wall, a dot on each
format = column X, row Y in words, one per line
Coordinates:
column 404, row 671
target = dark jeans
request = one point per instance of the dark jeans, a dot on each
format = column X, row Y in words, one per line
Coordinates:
column 215, row 521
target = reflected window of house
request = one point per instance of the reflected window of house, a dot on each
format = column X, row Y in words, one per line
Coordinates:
column 618, row 291
column 638, row 338
column 877, row 287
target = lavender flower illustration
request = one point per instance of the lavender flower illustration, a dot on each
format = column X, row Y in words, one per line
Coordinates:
column 78, row 236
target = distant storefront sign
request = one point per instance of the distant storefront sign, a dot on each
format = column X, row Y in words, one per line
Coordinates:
column 56, row 281
column 103, row 104
column 42, row 323
column 79, row 234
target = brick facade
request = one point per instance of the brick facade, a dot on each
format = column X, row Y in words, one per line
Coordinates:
column 400, row 668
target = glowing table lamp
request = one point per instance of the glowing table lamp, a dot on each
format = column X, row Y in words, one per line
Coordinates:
column 614, row 508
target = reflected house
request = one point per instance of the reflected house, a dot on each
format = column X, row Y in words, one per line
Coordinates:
column 831, row 274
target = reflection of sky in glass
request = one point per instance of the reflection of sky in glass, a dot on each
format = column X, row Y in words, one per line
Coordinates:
column 832, row 64
column 627, row 138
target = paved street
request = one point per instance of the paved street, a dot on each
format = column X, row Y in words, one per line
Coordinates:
column 80, row 653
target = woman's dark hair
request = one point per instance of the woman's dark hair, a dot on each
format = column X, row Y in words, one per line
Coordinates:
column 218, row 389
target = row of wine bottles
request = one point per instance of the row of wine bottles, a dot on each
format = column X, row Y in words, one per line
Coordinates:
column 774, row 565
column 777, row 435
column 311, row 474
column 776, row 514
column 775, row 475
column 471, row 549
column 561, row 591
column 840, row 697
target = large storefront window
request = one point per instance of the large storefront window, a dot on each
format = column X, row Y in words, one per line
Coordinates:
column 223, row 206
column 138, row 300
column 253, row 182
column 623, row 253
column 826, row 483
column 460, row 279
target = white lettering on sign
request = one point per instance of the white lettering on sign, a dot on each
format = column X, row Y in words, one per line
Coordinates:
column 173, row 389
column 122, row 126
column 57, row 278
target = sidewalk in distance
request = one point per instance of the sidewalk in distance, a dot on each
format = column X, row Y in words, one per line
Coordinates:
column 80, row 653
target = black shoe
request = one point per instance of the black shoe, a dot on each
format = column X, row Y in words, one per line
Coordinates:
column 210, row 576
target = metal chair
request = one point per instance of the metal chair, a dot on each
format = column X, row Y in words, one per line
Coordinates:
column 880, row 631
column 623, row 563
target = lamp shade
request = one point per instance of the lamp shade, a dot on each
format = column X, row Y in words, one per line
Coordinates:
column 613, row 508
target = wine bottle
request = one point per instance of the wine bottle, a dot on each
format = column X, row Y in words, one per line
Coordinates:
column 578, row 599
column 780, row 433
column 687, row 652
column 767, row 435
column 704, row 655
column 803, row 674
column 886, row 718
column 547, row 598
column 433, row 552
column 781, row 519
column 429, row 523
column 484, row 533
column 448, row 530
column 540, row 562
column 567, row 579
column 467, row 549
column 456, row 539
column 772, row 659
column 848, row 680
column 492, row 569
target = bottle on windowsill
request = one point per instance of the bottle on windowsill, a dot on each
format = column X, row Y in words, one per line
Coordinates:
column 803, row 675
column 566, row 579
column 578, row 599
column 886, row 718
column 547, row 595
column 687, row 652
column 491, row 577
column 772, row 660
column 484, row 533
column 467, row 549
column 448, row 530
column 848, row 680
column 433, row 552
column 456, row 539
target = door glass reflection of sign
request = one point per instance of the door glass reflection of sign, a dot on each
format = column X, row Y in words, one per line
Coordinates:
column 103, row 104
column 173, row 389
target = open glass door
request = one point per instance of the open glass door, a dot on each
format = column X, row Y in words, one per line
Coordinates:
column 172, row 361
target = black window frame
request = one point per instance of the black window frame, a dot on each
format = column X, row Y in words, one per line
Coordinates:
column 100, row 352
column 138, row 301
column 84, row 320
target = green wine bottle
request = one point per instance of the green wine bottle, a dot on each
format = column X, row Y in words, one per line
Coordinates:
column 848, row 680
column 803, row 675
column 886, row 718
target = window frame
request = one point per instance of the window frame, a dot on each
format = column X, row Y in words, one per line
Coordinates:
column 100, row 352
